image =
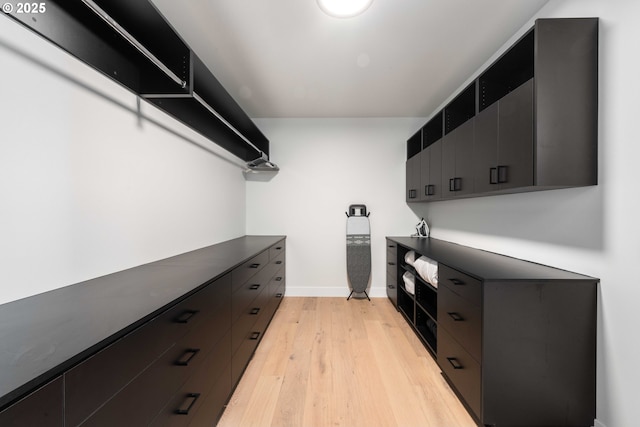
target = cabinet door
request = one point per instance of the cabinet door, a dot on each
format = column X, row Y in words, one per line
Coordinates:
column 515, row 138
column 425, row 168
column 486, row 150
column 457, row 161
column 448, row 165
column 464, row 158
column 435, row 170
column 413, row 178
column 43, row 407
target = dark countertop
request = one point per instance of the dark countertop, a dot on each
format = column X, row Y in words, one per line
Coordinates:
column 45, row 334
column 485, row 265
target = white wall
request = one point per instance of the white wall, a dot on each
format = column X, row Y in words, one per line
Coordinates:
column 593, row 230
column 86, row 186
column 326, row 165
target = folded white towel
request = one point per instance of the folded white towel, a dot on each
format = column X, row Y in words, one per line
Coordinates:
column 427, row 269
column 409, row 282
column 410, row 257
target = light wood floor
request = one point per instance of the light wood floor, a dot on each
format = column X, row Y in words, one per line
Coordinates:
column 333, row 362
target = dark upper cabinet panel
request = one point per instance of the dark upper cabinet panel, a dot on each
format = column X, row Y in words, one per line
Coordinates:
column 536, row 116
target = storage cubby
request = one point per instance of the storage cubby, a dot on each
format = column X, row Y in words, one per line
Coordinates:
column 414, row 144
column 406, row 304
column 432, row 131
column 427, row 330
column 427, row 297
column 461, row 109
column 512, row 69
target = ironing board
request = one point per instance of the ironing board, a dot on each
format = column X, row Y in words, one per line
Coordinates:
column 358, row 249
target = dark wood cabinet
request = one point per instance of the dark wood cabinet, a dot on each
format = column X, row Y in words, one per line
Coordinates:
column 534, row 113
column 176, row 365
column 457, row 161
column 516, row 340
column 392, row 272
column 42, row 407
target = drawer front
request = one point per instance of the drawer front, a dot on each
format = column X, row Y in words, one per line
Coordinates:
column 392, row 268
column 271, row 268
column 250, row 268
column 461, row 319
column 246, row 346
column 247, row 295
column 244, row 327
column 392, row 248
column 461, row 369
column 392, row 289
column 277, row 249
column 118, row 364
column 212, row 377
column 464, row 285
column 43, row 407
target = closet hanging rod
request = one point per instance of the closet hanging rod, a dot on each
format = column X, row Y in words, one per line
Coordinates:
column 132, row 40
column 222, row 119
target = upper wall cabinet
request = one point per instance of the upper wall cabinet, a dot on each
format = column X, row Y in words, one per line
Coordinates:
column 130, row 42
column 529, row 121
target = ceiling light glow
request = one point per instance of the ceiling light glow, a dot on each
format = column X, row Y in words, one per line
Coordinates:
column 344, row 8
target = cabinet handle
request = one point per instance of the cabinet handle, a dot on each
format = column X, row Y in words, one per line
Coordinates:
column 392, row 246
column 254, row 287
column 455, row 316
column 452, row 186
column 254, row 311
column 391, row 287
column 254, row 336
column 188, row 404
column 279, row 295
column 493, row 175
column 186, row 357
column 279, row 248
column 430, row 190
column 278, row 262
column 185, row 316
column 254, row 265
column 502, row 174
column 278, row 279
column 412, row 194
column 456, row 282
column 392, row 263
column 457, row 184
column 455, row 363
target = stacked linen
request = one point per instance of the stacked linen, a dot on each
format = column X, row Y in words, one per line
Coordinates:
column 410, row 257
column 427, row 269
column 409, row 282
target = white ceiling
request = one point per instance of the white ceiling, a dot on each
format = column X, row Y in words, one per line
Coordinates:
column 401, row 58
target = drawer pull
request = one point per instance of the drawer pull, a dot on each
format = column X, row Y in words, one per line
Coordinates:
column 279, row 295
column 279, row 248
column 392, row 246
column 254, row 287
column 278, row 262
column 187, row 404
column 457, row 282
column 278, row 279
column 187, row 356
column 392, row 263
column 254, row 265
column 455, row 316
column 254, row 336
column 186, row 316
column 254, row 311
column 391, row 287
column 454, row 362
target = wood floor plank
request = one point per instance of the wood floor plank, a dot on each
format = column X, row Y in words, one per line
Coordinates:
column 332, row 362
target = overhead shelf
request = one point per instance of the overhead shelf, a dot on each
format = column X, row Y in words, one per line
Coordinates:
column 131, row 43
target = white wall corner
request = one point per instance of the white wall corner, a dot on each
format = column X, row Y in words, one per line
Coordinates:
column 597, row 423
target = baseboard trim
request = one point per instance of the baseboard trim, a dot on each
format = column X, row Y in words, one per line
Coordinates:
column 330, row 291
column 597, row 423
